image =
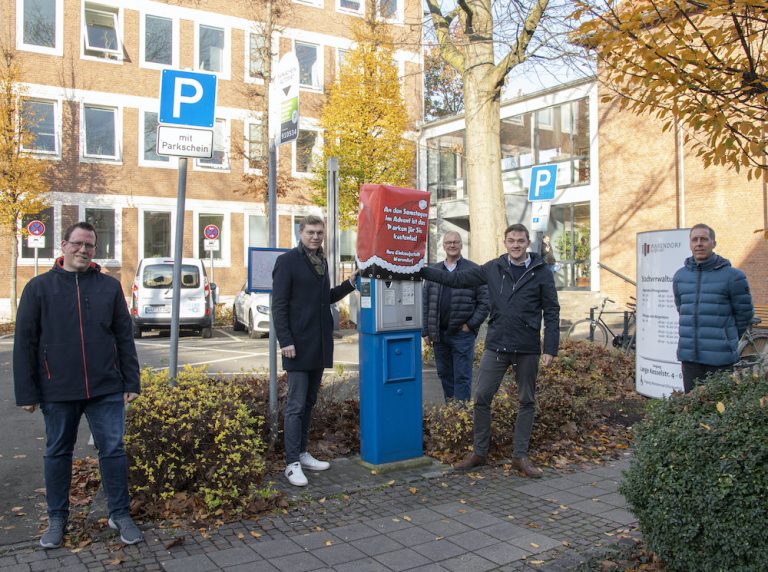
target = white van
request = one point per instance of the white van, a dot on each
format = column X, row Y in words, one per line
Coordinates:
column 152, row 297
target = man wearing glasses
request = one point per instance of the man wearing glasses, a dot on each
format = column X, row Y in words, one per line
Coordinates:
column 74, row 354
column 451, row 319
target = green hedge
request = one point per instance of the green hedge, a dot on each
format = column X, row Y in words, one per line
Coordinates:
column 698, row 480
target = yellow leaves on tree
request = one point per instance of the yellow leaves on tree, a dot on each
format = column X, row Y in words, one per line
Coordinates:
column 699, row 62
column 364, row 122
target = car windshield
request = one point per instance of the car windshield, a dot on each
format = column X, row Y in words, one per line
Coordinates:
column 161, row 276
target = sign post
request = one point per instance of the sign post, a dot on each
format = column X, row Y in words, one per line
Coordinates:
column 36, row 239
column 541, row 193
column 187, row 99
column 211, row 242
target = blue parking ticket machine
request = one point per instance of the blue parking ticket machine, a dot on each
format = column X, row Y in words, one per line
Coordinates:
column 390, row 370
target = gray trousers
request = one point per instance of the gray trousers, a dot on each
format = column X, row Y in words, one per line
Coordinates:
column 302, row 396
column 493, row 366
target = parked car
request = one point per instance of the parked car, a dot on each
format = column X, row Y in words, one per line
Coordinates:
column 152, row 297
column 250, row 312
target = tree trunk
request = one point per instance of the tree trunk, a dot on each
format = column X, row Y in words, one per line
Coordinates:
column 487, row 211
column 14, row 267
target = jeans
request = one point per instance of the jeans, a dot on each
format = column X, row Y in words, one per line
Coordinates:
column 106, row 418
column 493, row 366
column 693, row 372
column 302, row 396
column 454, row 354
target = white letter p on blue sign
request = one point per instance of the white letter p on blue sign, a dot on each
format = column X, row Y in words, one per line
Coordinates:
column 187, row 98
column 543, row 183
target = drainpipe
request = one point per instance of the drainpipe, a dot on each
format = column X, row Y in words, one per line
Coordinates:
column 679, row 174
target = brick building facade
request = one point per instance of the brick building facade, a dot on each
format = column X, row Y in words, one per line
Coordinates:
column 640, row 190
column 91, row 72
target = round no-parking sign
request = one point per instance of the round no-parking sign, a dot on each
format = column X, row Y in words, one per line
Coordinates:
column 36, row 228
column 211, row 231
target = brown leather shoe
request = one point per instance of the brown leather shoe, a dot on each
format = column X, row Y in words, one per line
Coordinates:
column 470, row 462
column 524, row 465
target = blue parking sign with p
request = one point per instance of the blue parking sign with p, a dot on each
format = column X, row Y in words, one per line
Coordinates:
column 187, row 98
column 543, row 183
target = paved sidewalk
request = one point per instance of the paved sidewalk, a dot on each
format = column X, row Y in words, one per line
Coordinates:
column 348, row 519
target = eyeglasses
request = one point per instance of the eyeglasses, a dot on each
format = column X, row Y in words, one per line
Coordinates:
column 452, row 243
column 78, row 245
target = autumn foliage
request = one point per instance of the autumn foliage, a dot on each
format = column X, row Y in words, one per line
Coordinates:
column 365, row 121
column 701, row 63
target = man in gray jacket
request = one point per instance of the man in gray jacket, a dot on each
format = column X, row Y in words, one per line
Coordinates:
column 451, row 319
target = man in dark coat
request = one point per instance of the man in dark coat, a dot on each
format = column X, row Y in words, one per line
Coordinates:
column 451, row 318
column 522, row 292
column 715, row 307
column 301, row 310
column 73, row 354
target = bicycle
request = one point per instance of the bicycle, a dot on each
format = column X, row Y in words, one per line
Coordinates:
column 595, row 329
column 753, row 350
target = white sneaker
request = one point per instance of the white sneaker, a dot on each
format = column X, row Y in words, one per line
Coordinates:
column 295, row 475
column 309, row 462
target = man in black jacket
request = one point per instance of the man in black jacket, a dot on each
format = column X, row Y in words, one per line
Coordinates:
column 73, row 354
column 522, row 292
column 301, row 310
column 451, row 318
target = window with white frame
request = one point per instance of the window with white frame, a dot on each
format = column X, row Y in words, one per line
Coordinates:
column 310, row 65
column 389, row 9
column 341, row 56
column 38, row 121
column 315, row 3
column 258, row 231
column 39, row 25
column 100, row 132
column 256, row 56
column 210, row 48
column 354, row 6
column 103, row 220
column 203, row 220
column 47, row 217
column 220, row 158
column 156, row 229
column 149, row 140
column 306, row 147
column 101, row 31
column 158, row 40
column 255, row 146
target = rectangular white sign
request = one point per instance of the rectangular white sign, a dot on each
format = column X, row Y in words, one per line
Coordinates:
column 211, row 244
column 540, row 216
column 184, row 142
column 659, row 255
column 35, row 242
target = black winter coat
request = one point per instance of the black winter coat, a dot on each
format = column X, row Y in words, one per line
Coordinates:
column 74, row 338
column 301, row 310
column 468, row 305
column 516, row 309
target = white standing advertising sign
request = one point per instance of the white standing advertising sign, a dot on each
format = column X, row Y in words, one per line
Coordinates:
column 659, row 255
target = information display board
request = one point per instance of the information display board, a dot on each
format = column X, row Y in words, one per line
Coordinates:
column 659, row 255
column 261, row 262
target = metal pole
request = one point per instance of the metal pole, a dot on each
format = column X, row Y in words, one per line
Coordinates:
column 211, row 251
column 173, row 360
column 332, row 222
column 272, row 220
column 35, row 261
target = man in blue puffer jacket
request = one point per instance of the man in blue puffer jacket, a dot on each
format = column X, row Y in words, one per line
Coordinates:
column 715, row 307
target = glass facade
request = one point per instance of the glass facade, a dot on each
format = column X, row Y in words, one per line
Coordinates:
column 445, row 166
